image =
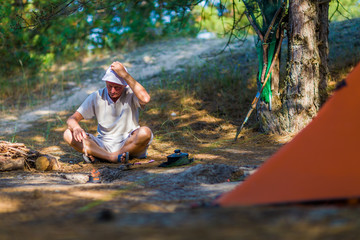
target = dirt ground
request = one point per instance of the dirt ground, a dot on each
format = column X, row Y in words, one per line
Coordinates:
column 143, row 202
column 150, row 202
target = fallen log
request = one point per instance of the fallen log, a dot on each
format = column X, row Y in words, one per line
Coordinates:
column 8, row 164
column 46, row 163
column 15, row 156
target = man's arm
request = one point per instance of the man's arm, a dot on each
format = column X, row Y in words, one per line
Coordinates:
column 137, row 88
column 73, row 124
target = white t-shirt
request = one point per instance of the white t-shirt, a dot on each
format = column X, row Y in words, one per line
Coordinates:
column 116, row 120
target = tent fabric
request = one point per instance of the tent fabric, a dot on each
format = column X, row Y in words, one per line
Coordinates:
column 322, row 162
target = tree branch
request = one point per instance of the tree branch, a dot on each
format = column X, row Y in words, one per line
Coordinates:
column 254, row 26
column 265, row 45
column 273, row 21
column 337, row 10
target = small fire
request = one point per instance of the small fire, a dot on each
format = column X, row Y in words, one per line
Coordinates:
column 95, row 174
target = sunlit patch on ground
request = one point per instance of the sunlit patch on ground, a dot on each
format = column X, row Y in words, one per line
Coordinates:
column 93, row 194
column 8, row 205
column 55, row 150
column 38, row 139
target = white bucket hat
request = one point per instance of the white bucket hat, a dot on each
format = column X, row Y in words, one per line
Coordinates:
column 111, row 76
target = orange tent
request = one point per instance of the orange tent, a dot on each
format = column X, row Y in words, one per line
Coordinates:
column 322, row 162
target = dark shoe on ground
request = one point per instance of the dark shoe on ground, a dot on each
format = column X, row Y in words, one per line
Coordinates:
column 123, row 159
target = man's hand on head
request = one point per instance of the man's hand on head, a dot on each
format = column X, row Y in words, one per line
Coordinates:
column 119, row 69
column 136, row 87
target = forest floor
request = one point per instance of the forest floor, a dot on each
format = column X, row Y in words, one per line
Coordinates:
column 146, row 201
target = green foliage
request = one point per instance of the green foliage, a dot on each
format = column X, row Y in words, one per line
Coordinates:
column 344, row 9
column 208, row 19
column 35, row 48
column 221, row 17
column 36, row 34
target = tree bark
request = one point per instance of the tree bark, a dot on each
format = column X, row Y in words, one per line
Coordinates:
column 304, row 89
column 301, row 101
column 323, row 50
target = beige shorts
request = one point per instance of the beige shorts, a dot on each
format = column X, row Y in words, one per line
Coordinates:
column 113, row 147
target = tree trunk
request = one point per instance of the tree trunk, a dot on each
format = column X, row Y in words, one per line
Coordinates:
column 323, row 50
column 300, row 95
column 301, row 100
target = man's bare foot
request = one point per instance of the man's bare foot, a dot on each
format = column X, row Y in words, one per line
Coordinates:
column 88, row 158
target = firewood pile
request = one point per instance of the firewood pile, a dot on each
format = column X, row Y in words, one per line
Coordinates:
column 16, row 156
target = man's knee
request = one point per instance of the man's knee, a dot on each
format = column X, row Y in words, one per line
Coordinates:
column 144, row 135
column 68, row 136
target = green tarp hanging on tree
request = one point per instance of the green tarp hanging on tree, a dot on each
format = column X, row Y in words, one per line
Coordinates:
column 266, row 93
column 262, row 13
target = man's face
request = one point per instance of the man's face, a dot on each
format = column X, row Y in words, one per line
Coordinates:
column 114, row 89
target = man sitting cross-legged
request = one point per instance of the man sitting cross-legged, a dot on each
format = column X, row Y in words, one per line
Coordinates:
column 116, row 110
